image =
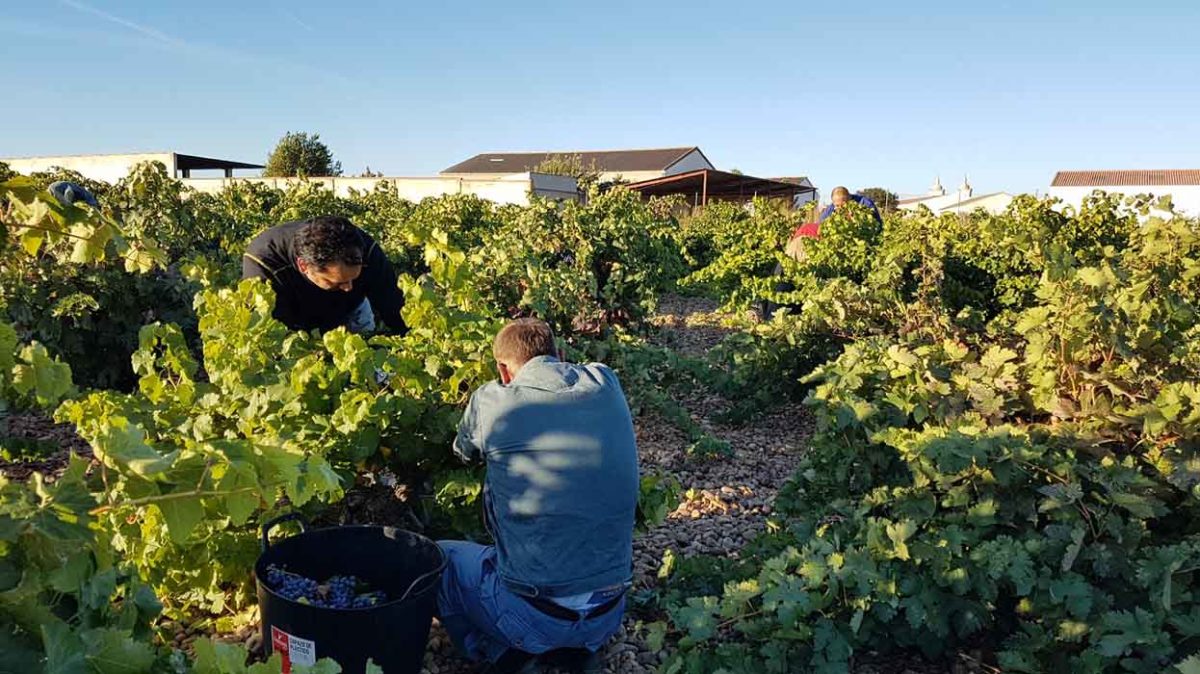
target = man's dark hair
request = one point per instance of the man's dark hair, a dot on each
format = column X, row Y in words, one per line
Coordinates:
column 329, row 239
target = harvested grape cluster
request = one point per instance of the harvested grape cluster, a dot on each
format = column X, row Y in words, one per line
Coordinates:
column 336, row 592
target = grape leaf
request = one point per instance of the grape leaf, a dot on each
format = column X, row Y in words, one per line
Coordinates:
column 111, row 651
column 181, row 515
column 698, row 616
column 64, row 650
column 41, row 376
column 124, row 443
column 1189, row 666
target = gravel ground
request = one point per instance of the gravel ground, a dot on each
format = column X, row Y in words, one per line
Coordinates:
column 52, row 445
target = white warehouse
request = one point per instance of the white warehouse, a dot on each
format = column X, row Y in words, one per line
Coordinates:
column 110, row 168
column 962, row 200
column 1183, row 186
column 510, row 188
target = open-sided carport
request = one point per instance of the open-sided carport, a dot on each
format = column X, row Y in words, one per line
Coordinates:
column 704, row 185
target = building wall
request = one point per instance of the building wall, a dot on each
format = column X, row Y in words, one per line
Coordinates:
column 630, row 176
column 692, row 161
column 105, row 167
column 512, row 189
column 481, row 176
column 1186, row 198
column 936, row 203
column 992, row 203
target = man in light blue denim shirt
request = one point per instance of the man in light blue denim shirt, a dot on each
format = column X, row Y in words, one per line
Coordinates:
column 559, row 500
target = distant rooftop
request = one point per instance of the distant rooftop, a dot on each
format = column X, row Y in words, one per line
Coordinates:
column 705, row 184
column 612, row 161
column 191, row 162
column 1135, row 177
column 794, row 180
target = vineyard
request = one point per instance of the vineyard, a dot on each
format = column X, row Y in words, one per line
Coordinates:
column 978, row 434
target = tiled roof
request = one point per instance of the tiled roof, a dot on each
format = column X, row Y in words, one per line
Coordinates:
column 1116, row 178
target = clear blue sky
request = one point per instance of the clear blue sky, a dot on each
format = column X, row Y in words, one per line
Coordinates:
column 881, row 93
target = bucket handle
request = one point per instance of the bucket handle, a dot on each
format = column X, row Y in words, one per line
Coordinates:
column 437, row 571
column 271, row 524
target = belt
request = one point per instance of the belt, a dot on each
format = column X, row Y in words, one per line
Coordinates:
column 563, row 613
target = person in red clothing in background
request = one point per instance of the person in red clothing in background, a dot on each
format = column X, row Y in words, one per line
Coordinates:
column 794, row 250
column 812, row 230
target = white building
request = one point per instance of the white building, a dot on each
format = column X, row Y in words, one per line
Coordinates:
column 630, row 165
column 962, row 200
column 509, row 189
column 1183, row 186
column 513, row 188
column 110, row 168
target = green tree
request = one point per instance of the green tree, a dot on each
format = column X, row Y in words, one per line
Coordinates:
column 301, row 154
column 885, row 199
column 570, row 165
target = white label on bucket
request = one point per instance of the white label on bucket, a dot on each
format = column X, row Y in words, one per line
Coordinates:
column 303, row 651
column 292, row 649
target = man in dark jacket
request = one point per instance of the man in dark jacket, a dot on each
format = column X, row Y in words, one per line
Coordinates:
column 326, row 273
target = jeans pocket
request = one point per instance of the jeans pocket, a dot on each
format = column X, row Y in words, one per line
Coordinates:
column 525, row 634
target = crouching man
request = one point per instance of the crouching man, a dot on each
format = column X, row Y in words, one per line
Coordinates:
column 326, row 273
column 559, row 500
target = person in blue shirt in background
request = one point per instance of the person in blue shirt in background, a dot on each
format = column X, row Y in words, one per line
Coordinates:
column 560, row 498
column 841, row 195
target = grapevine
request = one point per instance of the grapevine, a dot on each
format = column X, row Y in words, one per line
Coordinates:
column 1005, row 455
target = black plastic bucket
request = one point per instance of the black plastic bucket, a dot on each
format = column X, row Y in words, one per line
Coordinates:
column 404, row 565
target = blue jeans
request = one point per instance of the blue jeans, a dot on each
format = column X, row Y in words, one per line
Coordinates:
column 484, row 618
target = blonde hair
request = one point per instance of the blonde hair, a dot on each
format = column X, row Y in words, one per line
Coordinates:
column 523, row 339
column 839, row 190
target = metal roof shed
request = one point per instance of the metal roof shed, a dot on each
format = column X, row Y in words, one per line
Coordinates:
column 186, row 163
column 703, row 185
